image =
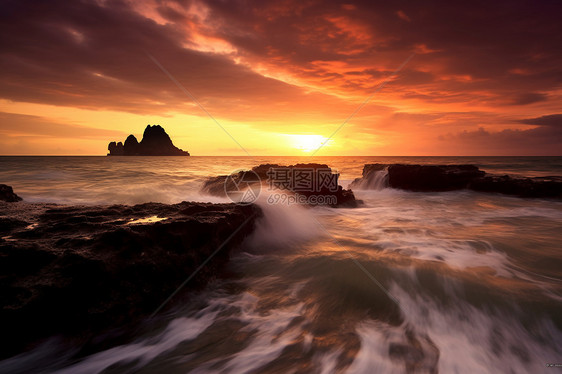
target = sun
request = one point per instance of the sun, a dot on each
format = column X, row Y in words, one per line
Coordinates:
column 307, row 143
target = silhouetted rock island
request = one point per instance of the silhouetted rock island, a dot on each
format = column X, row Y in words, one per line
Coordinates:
column 155, row 142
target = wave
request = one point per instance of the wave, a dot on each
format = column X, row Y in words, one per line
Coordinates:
column 138, row 354
column 283, row 225
column 376, row 180
column 480, row 340
column 476, row 278
column 287, row 325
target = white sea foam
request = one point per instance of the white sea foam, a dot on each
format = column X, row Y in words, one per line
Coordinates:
column 376, row 180
column 461, row 229
column 142, row 352
column 448, row 227
column 283, row 225
column 373, row 354
column 327, row 362
column 472, row 340
column 271, row 336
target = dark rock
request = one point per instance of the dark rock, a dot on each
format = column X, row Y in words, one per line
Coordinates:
column 437, row 178
column 550, row 187
column 112, row 148
column 115, row 149
column 83, row 271
column 131, row 146
column 263, row 169
column 432, row 177
column 7, row 224
column 346, row 198
column 215, row 186
column 333, row 195
column 155, row 142
column 423, row 177
column 7, row 194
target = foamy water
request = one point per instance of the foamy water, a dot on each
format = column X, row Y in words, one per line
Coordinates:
column 409, row 282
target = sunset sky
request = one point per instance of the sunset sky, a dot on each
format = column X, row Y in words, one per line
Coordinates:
column 281, row 76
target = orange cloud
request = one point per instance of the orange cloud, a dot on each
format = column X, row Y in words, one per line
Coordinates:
column 286, row 67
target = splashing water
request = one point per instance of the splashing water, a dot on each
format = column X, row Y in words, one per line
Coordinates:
column 376, row 180
column 476, row 279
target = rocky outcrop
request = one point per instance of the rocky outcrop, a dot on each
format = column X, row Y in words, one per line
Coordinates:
column 432, row 177
column 426, row 178
column 522, row 187
column 131, row 146
column 422, row 177
column 84, row 271
column 327, row 192
column 7, row 194
column 115, row 149
column 155, row 142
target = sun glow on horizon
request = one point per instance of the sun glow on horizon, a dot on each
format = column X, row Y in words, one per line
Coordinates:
column 307, row 143
column 277, row 79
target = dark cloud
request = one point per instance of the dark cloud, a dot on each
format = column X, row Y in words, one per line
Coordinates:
column 528, row 98
column 554, row 120
column 89, row 55
column 539, row 141
column 75, row 53
column 259, row 60
column 504, row 47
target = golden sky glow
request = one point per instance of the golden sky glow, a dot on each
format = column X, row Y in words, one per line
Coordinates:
column 282, row 76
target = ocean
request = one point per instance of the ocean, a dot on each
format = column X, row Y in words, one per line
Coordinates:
column 449, row 282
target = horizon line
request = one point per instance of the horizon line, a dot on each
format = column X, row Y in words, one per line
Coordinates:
column 246, row 156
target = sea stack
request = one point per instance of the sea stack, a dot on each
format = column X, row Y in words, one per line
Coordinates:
column 155, row 142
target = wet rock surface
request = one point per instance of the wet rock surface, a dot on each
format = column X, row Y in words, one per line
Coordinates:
column 222, row 184
column 422, row 177
column 550, row 187
column 436, row 178
column 79, row 271
column 7, row 194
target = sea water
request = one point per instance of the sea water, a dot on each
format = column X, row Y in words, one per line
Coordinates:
column 444, row 282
